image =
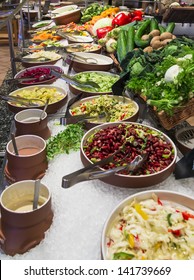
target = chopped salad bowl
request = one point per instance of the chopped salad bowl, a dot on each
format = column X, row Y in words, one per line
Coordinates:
column 105, row 80
column 130, row 140
column 105, row 108
column 127, row 231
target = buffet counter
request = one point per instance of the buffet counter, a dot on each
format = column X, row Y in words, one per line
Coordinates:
column 80, row 212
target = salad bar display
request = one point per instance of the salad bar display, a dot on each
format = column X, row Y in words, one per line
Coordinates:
column 115, row 90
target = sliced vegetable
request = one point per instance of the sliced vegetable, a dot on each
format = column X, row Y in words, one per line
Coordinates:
column 103, row 22
column 169, row 219
column 140, row 211
column 122, row 256
column 187, row 216
column 101, row 32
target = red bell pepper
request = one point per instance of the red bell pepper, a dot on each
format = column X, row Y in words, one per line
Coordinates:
column 101, row 32
column 186, row 216
column 137, row 13
column 121, row 19
column 137, row 18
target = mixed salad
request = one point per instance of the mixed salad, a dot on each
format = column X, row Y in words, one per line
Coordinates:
column 152, row 230
column 115, row 109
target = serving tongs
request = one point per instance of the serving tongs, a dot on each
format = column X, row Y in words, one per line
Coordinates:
column 92, row 171
column 77, row 119
column 22, row 100
column 71, row 80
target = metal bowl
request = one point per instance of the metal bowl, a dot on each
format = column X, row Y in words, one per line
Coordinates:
column 173, row 198
column 185, row 139
column 132, row 181
column 52, row 107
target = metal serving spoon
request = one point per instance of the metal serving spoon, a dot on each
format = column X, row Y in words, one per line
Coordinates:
column 26, row 79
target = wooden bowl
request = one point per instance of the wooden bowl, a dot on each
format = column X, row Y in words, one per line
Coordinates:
column 52, row 108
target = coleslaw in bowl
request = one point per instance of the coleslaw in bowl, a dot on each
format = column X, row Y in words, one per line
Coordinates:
column 150, row 225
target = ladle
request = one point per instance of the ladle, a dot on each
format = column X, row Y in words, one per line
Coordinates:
column 36, row 194
column 14, row 144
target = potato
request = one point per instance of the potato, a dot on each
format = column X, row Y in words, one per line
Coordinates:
column 165, row 42
column 145, row 37
column 156, row 38
column 166, row 35
column 154, row 33
column 148, row 49
column 156, row 44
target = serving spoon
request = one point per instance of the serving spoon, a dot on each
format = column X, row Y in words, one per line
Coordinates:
column 26, row 79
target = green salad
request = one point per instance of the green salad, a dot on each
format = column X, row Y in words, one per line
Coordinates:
column 105, row 81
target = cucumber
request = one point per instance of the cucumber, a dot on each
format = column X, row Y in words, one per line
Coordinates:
column 153, row 24
column 130, row 39
column 121, row 46
column 162, row 29
column 141, row 31
column 170, row 27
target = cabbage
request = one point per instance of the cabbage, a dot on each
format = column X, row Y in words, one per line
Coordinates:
column 103, row 22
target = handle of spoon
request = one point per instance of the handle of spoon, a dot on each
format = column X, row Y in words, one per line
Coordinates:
column 36, row 194
column 14, row 144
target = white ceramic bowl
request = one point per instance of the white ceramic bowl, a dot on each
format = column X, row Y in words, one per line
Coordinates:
column 91, row 62
column 173, row 198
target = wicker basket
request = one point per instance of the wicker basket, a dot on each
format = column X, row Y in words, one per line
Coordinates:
column 179, row 115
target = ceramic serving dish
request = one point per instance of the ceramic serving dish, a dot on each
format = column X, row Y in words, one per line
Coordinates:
column 90, row 62
column 115, row 108
column 67, row 14
column 31, row 91
column 139, row 247
column 105, row 80
column 83, row 47
column 137, row 139
column 41, row 74
column 40, row 58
